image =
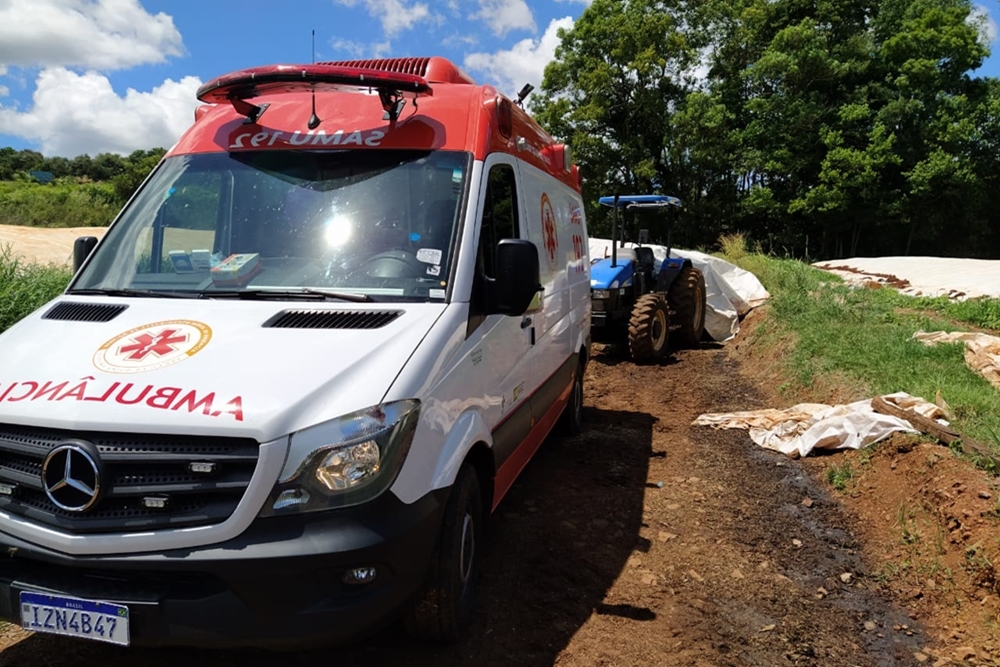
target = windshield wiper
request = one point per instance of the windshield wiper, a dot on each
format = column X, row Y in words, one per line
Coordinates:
column 310, row 293
column 134, row 292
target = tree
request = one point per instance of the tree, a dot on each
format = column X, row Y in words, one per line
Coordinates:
column 821, row 127
column 610, row 91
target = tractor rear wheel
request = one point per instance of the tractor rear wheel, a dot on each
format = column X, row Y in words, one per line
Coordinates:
column 648, row 328
column 687, row 301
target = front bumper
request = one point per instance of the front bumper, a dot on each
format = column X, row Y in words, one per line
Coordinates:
column 278, row 585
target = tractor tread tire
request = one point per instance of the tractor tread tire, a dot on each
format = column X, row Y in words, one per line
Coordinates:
column 687, row 303
column 643, row 345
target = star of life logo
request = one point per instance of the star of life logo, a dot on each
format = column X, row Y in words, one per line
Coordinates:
column 152, row 346
column 550, row 239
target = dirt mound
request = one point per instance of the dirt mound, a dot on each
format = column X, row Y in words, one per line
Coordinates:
column 45, row 245
column 929, row 521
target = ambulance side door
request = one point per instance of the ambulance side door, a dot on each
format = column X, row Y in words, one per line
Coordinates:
column 506, row 340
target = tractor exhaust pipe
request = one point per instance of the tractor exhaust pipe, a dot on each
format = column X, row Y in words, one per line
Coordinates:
column 614, row 236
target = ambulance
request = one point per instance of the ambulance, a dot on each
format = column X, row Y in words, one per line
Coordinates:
column 283, row 394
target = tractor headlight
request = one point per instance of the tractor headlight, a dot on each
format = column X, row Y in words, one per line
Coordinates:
column 600, row 294
column 345, row 461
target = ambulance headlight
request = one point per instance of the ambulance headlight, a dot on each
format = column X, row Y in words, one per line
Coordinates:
column 345, row 461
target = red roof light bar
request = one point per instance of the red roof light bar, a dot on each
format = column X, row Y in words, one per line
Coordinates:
column 237, row 87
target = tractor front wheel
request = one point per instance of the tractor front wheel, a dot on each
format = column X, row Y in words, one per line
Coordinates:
column 687, row 301
column 648, row 328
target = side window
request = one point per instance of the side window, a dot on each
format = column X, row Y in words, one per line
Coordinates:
column 500, row 215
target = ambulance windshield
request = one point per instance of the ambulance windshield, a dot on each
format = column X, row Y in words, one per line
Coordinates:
column 381, row 224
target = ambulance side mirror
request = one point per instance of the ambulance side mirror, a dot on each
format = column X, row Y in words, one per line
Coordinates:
column 82, row 247
column 518, row 278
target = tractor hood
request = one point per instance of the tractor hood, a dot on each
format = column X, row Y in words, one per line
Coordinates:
column 180, row 366
column 605, row 276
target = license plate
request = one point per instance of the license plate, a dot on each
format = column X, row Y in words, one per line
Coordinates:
column 73, row 617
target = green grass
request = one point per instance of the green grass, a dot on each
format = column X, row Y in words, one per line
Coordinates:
column 24, row 287
column 865, row 335
column 983, row 313
column 839, row 476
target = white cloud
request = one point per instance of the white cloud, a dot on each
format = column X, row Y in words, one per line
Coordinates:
column 980, row 15
column 4, row 90
column 353, row 49
column 357, row 50
column 394, row 15
column 582, row 2
column 524, row 63
column 505, row 15
column 75, row 113
column 101, row 34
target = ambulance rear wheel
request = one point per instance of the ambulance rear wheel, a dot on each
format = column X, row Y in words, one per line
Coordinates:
column 444, row 610
column 687, row 300
column 648, row 329
column 571, row 422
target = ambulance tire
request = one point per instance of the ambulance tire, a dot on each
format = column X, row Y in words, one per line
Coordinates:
column 648, row 329
column 443, row 613
column 571, row 421
column 687, row 301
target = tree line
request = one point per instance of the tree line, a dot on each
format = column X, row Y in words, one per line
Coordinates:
column 124, row 173
column 820, row 128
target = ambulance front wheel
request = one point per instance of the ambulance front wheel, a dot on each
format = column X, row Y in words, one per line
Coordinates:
column 444, row 610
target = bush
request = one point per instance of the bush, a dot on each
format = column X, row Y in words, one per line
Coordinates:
column 24, row 287
column 57, row 205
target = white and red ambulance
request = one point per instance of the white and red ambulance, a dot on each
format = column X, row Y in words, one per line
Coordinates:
column 282, row 395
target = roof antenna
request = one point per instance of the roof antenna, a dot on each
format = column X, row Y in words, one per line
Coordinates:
column 314, row 120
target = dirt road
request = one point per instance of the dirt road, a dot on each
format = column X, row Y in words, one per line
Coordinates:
column 644, row 541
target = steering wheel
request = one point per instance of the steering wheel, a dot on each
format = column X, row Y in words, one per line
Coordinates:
column 393, row 264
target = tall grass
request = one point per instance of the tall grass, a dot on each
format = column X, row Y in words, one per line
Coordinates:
column 867, row 335
column 24, row 287
column 57, row 205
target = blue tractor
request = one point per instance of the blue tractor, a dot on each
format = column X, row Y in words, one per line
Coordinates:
column 633, row 301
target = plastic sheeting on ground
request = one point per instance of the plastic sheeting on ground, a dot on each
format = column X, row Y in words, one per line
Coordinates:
column 803, row 428
column 953, row 277
column 982, row 351
column 730, row 291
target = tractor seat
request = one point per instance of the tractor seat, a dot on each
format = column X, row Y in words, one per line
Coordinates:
column 644, row 256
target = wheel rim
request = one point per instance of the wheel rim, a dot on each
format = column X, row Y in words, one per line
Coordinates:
column 658, row 332
column 467, row 555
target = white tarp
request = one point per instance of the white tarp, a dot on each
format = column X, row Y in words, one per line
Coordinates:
column 802, row 428
column 922, row 276
column 982, row 351
column 730, row 291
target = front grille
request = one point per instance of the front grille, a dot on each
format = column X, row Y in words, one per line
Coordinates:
column 135, row 466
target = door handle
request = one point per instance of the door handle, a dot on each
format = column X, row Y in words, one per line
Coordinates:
column 525, row 322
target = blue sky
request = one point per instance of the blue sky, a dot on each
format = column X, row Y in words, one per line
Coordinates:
column 88, row 76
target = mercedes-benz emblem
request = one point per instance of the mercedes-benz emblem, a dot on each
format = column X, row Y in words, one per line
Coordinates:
column 71, row 476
